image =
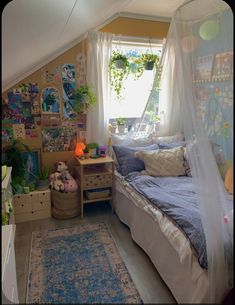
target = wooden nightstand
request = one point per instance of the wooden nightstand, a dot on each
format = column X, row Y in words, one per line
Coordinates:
column 95, row 178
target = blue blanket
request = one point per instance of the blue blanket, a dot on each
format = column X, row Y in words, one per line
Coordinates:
column 175, row 196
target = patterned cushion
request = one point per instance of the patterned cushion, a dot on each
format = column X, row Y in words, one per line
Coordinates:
column 164, row 162
column 126, row 160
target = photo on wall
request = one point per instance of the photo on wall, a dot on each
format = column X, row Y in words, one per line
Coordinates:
column 68, row 73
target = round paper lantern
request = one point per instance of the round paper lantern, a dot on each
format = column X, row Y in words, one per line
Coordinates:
column 189, row 43
column 209, row 30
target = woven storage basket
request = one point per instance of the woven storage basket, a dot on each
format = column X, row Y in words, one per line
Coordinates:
column 97, row 194
column 65, row 205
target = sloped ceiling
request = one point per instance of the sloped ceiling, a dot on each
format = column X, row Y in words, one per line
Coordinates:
column 36, row 31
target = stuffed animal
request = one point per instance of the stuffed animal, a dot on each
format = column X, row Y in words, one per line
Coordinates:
column 70, row 185
column 59, row 185
column 66, row 175
column 61, row 167
column 53, row 178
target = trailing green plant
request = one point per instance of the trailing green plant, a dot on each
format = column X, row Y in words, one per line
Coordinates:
column 44, row 173
column 4, row 218
column 148, row 57
column 12, row 156
column 117, row 75
column 84, row 95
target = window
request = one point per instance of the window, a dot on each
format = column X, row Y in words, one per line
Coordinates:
column 136, row 91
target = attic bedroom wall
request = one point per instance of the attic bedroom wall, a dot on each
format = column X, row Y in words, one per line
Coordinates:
column 121, row 25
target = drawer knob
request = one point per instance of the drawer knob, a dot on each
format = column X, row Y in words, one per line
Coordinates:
column 22, row 205
column 41, row 202
column 32, row 212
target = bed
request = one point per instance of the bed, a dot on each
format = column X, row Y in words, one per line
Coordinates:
column 180, row 258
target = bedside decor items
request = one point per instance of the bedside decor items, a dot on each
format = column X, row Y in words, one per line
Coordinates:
column 79, row 150
column 100, row 275
column 93, row 149
column 102, row 151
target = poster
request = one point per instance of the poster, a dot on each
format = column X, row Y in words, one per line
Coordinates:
column 68, row 73
column 59, row 139
column 32, row 162
column 223, row 66
column 50, row 102
column 203, row 68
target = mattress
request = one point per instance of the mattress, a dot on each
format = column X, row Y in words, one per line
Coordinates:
column 164, row 242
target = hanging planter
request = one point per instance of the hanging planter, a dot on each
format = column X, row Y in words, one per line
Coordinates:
column 119, row 69
column 149, row 60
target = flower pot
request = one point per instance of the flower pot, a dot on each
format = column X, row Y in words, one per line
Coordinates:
column 149, row 65
column 133, row 67
column 121, row 128
column 119, row 64
column 84, row 99
column 43, row 185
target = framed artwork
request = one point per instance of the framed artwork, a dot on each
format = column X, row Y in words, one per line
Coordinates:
column 68, row 73
column 32, row 163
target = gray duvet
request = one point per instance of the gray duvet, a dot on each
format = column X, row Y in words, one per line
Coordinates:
column 175, row 197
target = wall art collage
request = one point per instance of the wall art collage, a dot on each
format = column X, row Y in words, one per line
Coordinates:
column 51, row 110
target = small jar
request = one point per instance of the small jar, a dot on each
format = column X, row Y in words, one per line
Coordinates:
column 102, row 151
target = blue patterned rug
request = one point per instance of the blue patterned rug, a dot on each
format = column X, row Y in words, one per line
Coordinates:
column 78, row 265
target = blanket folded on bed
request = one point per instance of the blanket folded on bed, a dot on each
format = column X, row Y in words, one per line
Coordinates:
column 176, row 198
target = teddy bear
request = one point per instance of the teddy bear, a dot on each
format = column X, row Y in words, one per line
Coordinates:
column 59, row 185
column 53, row 177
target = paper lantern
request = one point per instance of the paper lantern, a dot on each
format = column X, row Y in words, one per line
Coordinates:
column 209, row 30
column 189, row 43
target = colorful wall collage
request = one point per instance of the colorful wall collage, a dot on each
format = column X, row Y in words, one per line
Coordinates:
column 48, row 112
column 213, row 86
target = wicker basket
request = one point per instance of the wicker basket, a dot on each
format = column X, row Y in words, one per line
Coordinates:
column 97, row 194
column 65, row 205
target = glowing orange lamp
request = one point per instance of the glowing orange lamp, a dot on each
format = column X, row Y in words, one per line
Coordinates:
column 79, row 149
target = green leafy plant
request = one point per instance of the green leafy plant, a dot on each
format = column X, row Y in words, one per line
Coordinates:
column 92, row 145
column 85, row 96
column 117, row 75
column 44, row 173
column 148, row 57
column 12, row 156
column 4, row 218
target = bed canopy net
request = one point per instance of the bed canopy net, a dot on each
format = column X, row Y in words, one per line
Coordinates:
column 196, row 98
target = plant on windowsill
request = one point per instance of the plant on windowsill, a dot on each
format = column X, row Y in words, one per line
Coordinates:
column 119, row 69
column 121, row 124
column 85, row 98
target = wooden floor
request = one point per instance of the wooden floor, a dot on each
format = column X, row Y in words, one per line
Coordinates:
column 147, row 280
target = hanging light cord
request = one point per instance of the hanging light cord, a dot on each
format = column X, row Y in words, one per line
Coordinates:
column 69, row 17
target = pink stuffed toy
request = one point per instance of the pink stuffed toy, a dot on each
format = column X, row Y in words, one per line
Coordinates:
column 70, row 185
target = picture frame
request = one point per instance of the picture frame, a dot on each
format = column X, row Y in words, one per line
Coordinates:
column 32, row 162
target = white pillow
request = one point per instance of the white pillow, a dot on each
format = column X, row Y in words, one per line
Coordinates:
column 168, row 139
column 128, row 141
column 163, row 162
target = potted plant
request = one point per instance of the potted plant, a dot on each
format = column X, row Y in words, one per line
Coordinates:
column 85, row 97
column 86, row 153
column 12, row 156
column 92, row 147
column 119, row 68
column 149, row 60
column 121, row 124
column 43, row 179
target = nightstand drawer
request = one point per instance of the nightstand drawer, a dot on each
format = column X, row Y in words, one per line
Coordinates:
column 41, row 205
column 44, row 196
column 94, row 181
column 21, row 199
column 22, row 207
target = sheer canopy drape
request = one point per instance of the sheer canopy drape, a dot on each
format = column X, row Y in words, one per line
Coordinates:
column 195, row 91
column 98, row 56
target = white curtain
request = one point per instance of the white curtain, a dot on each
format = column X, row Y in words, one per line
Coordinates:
column 98, row 56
